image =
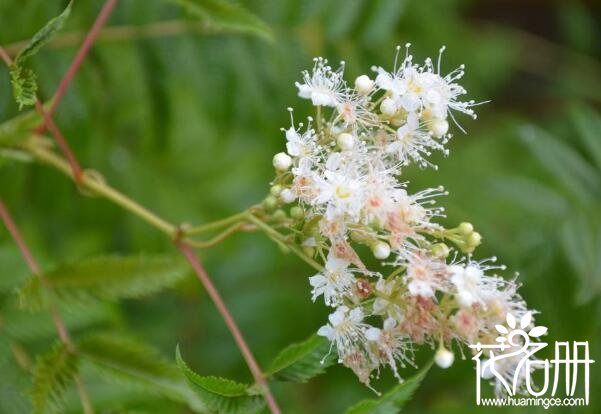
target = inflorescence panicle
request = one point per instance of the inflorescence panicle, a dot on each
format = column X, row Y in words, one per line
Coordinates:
column 341, row 178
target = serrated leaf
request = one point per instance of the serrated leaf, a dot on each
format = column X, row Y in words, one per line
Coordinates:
column 43, row 36
column 393, row 400
column 23, row 79
column 52, row 374
column 25, row 326
column 226, row 15
column 129, row 361
column 221, row 394
column 24, row 85
column 105, row 278
column 302, row 361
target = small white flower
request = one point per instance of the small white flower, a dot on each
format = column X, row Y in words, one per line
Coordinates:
column 472, row 284
column 335, row 282
column 324, row 86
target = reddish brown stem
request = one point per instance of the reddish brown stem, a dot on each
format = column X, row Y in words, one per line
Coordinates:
column 204, row 278
column 61, row 328
column 81, row 54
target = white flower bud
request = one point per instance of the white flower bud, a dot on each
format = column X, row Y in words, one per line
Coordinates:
column 287, row 196
column 388, row 107
column 346, row 141
column 282, row 161
column 438, row 127
column 364, row 85
column 381, row 250
column 444, row 358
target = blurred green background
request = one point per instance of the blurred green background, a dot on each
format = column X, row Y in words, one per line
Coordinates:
column 187, row 124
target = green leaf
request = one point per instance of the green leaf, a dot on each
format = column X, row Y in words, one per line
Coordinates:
column 24, row 85
column 24, row 79
column 563, row 162
column 221, row 394
column 588, row 123
column 19, row 127
column 302, row 361
column 104, row 278
column 393, row 400
column 25, row 326
column 52, row 374
column 224, row 15
column 43, row 36
column 129, row 361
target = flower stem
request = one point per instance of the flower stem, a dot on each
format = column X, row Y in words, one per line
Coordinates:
column 270, row 231
column 236, row 218
column 96, row 185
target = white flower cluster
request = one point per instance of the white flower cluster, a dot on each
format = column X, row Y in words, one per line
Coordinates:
column 341, row 176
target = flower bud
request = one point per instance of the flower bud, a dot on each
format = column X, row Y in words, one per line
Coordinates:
column 282, row 161
column 388, row 107
column 364, row 85
column 270, row 203
column 309, row 250
column 438, row 127
column 279, row 215
column 275, row 190
column 474, row 239
column 297, row 212
column 465, row 228
column 440, row 250
column 444, row 358
column 345, row 141
column 381, row 250
column 287, row 195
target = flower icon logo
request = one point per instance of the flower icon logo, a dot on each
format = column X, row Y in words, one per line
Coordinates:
column 512, row 330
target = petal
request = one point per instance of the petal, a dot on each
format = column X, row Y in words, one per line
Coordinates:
column 502, row 329
column 372, row 334
column 326, row 331
column 389, row 323
column 317, row 280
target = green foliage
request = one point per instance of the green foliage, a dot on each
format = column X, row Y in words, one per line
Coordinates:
column 105, row 278
column 302, row 361
column 19, row 127
column 394, row 400
column 221, row 394
column 53, row 373
column 226, row 15
column 34, row 326
column 126, row 360
column 24, row 79
column 24, row 84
